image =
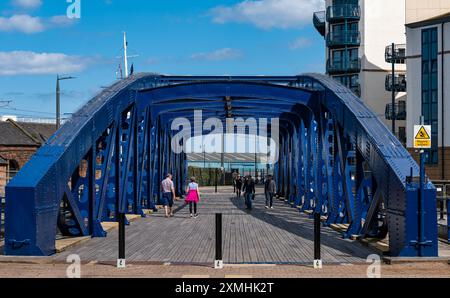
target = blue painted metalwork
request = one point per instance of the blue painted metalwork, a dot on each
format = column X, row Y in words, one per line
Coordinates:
column 336, row 157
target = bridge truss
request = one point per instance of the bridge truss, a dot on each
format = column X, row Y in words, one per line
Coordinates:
column 336, row 157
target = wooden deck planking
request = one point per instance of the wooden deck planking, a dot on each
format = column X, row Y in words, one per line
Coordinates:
column 280, row 235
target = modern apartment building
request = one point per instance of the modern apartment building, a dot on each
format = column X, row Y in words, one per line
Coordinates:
column 358, row 35
column 428, row 64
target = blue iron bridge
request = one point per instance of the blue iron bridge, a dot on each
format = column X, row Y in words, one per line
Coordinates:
column 336, row 158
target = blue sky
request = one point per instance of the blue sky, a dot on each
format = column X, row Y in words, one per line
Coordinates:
column 193, row 37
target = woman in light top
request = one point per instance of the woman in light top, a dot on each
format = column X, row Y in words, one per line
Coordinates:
column 192, row 197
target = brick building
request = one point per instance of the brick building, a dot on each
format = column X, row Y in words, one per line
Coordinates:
column 18, row 142
column 3, row 169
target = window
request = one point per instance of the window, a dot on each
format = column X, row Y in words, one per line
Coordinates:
column 353, row 54
column 341, row 57
column 340, row 79
column 338, row 58
column 13, row 168
column 354, row 80
column 338, row 28
column 430, row 88
column 350, row 27
column 351, row 81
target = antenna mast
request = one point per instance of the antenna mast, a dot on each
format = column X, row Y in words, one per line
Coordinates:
column 125, row 56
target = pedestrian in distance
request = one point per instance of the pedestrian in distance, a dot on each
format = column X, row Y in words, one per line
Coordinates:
column 269, row 191
column 168, row 195
column 192, row 197
column 234, row 176
column 238, row 183
column 249, row 191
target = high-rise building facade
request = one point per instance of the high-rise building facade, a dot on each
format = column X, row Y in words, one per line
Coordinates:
column 428, row 64
column 358, row 35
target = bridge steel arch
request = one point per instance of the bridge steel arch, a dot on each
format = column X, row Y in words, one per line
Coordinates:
column 335, row 157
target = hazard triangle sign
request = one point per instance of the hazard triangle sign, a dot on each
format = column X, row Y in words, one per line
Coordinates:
column 422, row 136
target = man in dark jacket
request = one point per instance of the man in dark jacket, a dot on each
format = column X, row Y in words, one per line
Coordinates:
column 238, row 185
column 269, row 191
column 249, row 191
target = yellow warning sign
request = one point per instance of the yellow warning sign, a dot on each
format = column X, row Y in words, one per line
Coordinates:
column 422, row 136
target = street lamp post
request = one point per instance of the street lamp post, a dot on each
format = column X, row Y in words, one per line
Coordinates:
column 58, row 99
column 256, row 160
column 215, row 184
column 393, row 90
column 204, row 156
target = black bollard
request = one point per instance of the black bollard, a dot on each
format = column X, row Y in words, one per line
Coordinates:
column 121, row 260
column 218, row 264
column 317, row 254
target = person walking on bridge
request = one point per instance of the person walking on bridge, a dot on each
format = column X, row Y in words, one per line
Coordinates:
column 269, row 191
column 234, row 176
column 249, row 191
column 168, row 195
column 192, row 197
column 238, row 183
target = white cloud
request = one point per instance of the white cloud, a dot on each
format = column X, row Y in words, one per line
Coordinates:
column 61, row 20
column 267, row 14
column 31, row 63
column 22, row 23
column 218, row 55
column 27, row 3
column 300, row 43
column 27, row 24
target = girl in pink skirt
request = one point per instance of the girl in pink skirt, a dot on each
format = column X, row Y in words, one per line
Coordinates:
column 192, row 197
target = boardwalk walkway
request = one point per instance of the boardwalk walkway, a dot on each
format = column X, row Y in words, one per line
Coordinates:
column 281, row 235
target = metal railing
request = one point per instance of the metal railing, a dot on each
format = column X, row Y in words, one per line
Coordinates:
column 399, row 82
column 396, row 55
column 344, row 11
column 343, row 38
column 343, row 66
column 400, row 111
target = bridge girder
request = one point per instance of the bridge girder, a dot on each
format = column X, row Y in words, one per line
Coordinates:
column 336, row 157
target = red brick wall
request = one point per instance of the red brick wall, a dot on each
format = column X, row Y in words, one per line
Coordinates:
column 434, row 172
column 20, row 154
column 2, row 180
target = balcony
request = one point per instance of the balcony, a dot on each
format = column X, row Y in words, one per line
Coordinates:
column 338, row 13
column 319, row 22
column 396, row 55
column 399, row 83
column 400, row 111
column 340, row 67
column 343, row 38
